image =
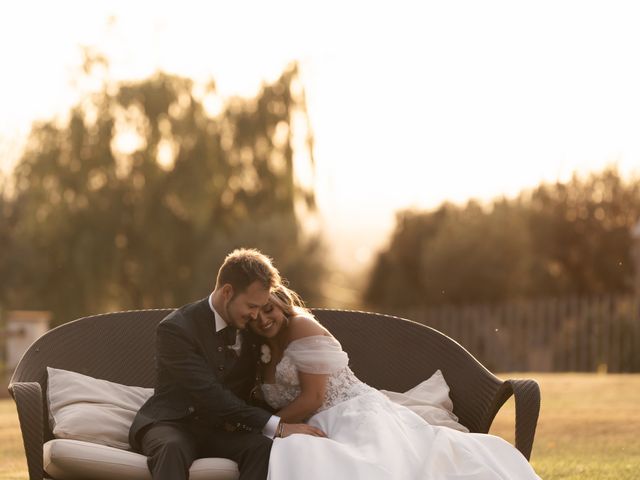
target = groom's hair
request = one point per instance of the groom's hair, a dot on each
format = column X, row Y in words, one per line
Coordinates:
column 244, row 266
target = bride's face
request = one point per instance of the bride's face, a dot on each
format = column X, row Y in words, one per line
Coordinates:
column 269, row 321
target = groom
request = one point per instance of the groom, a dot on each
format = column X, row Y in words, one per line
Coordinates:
column 206, row 364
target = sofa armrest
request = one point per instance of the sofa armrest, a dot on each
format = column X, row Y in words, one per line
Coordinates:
column 28, row 398
column 526, row 393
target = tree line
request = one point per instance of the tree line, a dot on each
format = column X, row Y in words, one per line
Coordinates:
column 558, row 239
column 132, row 198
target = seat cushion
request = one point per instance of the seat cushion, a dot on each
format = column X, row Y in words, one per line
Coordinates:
column 73, row 459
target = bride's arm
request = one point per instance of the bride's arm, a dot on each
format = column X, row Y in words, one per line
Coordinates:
column 313, row 387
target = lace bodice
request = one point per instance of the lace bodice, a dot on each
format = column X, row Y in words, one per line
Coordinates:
column 314, row 354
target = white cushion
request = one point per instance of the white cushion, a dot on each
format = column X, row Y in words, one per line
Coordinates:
column 73, row 459
column 430, row 399
column 93, row 410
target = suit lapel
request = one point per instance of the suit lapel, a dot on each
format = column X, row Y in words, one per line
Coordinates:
column 212, row 344
column 222, row 361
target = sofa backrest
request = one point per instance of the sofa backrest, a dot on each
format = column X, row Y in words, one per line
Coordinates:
column 396, row 354
column 118, row 347
column 386, row 352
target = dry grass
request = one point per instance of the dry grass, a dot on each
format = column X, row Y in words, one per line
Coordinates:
column 589, row 429
column 13, row 465
column 589, row 426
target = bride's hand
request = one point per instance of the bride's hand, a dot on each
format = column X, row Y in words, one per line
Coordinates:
column 291, row 428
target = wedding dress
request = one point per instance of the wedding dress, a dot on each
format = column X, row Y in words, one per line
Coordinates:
column 370, row 437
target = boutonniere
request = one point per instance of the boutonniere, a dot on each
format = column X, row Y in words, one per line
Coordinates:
column 265, row 353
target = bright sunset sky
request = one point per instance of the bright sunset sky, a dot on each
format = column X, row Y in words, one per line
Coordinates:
column 412, row 103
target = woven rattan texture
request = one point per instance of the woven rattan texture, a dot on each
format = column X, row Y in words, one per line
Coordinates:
column 28, row 398
column 386, row 352
column 527, row 397
column 118, row 347
column 396, row 354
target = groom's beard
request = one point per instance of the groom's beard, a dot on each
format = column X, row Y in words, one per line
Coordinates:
column 231, row 319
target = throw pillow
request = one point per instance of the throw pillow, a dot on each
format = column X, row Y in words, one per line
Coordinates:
column 92, row 410
column 430, row 399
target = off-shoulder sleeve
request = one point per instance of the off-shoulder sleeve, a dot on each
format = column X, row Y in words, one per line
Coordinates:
column 318, row 354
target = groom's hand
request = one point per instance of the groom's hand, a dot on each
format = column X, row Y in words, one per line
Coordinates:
column 291, row 428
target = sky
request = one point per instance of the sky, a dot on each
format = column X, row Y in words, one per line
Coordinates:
column 411, row 103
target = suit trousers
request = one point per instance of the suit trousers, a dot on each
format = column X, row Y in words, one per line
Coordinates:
column 172, row 446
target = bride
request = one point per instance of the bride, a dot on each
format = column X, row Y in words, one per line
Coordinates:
column 305, row 377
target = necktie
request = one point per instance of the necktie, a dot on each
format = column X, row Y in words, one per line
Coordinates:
column 229, row 335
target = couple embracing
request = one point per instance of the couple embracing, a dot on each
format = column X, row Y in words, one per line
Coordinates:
column 248, row 374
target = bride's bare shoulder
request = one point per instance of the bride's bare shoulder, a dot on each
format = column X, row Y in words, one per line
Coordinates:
column 302, row 326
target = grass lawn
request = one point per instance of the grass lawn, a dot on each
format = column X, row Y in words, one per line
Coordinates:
column 13, row 465
column 589, row 429
column 589, row 426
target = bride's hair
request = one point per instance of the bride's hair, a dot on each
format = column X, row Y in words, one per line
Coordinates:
column 289, row 302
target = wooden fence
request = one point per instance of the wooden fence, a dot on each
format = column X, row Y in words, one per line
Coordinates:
column 552, row 335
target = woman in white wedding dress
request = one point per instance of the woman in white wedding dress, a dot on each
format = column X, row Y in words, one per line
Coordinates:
column 305, row 377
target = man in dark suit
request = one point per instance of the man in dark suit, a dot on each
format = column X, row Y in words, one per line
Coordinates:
column 206, row 364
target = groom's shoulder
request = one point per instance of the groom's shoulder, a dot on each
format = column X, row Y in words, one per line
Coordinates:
column 185, row 314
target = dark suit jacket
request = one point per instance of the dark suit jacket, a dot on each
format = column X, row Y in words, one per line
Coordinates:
column 197, row 375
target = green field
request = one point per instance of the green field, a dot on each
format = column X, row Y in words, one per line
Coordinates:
column 589, row 426
column 589, row 429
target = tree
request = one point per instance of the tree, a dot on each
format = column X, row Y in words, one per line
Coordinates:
column 558, row 239
column 135, row 199
column 581, row 234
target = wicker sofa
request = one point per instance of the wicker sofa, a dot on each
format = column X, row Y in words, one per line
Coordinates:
column 386, row 352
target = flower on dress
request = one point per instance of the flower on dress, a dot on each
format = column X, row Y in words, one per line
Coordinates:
column 265, row 353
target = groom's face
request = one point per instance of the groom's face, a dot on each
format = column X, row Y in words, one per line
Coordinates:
column 242, row 307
